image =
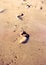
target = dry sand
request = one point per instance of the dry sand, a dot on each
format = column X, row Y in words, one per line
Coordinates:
column 33, row 21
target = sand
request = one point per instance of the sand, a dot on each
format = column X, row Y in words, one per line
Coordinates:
column 17, row 16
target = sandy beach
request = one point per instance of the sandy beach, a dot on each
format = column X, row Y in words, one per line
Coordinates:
column 22, row 32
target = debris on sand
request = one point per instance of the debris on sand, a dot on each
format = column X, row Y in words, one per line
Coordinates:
column 20, row 16
column 25, row 37
column 24, row 0
column 41, row 8
column 2, row 10
column 28, row 6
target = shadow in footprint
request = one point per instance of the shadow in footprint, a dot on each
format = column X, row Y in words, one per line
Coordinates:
column 27, row 37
